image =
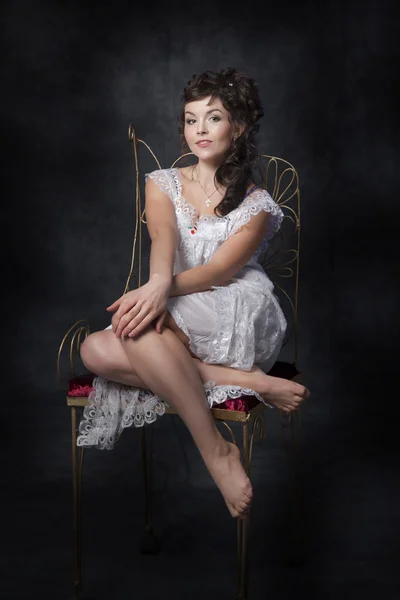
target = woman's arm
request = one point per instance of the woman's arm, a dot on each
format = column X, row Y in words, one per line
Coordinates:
column 198, row 279
column 136, row 309
column 162, row 253
column 163, row 231
column 230, row 257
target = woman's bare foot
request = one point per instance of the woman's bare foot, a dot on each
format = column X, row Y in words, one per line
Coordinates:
column 284, row 394
column 228, row 473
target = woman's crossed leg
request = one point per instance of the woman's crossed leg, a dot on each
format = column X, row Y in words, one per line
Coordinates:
column 164, row 364
column 161, row 363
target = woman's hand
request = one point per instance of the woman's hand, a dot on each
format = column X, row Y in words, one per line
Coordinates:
column 138, row 308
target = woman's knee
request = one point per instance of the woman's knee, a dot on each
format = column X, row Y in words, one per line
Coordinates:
column 93, row 351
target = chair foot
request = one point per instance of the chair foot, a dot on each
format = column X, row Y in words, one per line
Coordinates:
column 150, row 543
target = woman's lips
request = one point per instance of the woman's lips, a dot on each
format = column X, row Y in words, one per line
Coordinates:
column 203, row 144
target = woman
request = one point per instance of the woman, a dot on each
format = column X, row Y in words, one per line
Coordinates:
column 206, row 326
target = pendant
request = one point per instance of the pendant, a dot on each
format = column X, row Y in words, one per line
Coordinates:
column 208, row 202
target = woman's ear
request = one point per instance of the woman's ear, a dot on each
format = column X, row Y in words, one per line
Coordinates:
column 238, row 131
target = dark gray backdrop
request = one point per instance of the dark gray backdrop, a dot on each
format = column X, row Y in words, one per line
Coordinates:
column 73, row 78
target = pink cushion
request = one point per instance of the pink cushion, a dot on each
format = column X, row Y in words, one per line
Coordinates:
column 81, row 386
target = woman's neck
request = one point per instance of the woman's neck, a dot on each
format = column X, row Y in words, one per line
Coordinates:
column 205, row 172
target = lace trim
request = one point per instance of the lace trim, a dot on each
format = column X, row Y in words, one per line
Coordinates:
column 234, row 342
column 253, row 338
column 181, row 324
column 178, row 319
column 174, row 173
column 113, row 407
column 184, row 207
column 218, row 348
column 217, row 394
column 259, row 200
column 161, row 178
column 220, row 393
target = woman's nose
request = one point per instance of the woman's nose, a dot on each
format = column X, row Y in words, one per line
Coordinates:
column 202, row 129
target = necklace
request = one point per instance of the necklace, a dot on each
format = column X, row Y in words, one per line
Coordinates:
column 208, row 201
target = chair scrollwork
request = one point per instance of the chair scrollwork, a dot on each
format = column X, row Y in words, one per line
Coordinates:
column 71, row 340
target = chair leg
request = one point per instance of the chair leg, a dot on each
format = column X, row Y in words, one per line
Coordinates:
column 150, row 544
column 243, row 527
column 294, row 457
column 77, row 466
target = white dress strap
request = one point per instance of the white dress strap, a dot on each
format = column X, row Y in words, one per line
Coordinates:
column 257, row 201
column 162, row 177
column 176, row 183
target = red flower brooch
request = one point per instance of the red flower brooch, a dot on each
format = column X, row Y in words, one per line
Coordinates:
column 192, row 229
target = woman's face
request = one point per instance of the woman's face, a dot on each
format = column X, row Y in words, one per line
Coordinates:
column 204, row 121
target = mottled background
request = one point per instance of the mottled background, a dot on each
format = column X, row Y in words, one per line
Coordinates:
column 73, row 77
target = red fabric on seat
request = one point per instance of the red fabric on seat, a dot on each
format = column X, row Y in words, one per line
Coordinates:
column 80, row 386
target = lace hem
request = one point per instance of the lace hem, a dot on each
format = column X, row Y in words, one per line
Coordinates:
column 220, row 393
column 113, row 407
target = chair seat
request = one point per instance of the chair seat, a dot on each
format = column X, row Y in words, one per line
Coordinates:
column 81, row 386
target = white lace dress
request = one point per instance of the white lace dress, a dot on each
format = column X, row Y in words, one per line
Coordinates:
column 237, row 325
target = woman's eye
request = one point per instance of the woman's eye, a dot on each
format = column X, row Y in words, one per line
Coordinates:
column 189, row 121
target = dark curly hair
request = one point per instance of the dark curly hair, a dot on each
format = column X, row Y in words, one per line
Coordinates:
column 242, row 101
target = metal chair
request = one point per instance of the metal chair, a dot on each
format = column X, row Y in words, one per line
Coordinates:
column 281, row 261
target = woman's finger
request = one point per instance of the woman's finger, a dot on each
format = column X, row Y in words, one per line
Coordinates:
column 146, row 321
column 123, row 304
column 135, row 321
column 126, row 320
column 127, row 304
column 114, row 322
column 124, row 309
column 115, row 304
column 160, row 321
